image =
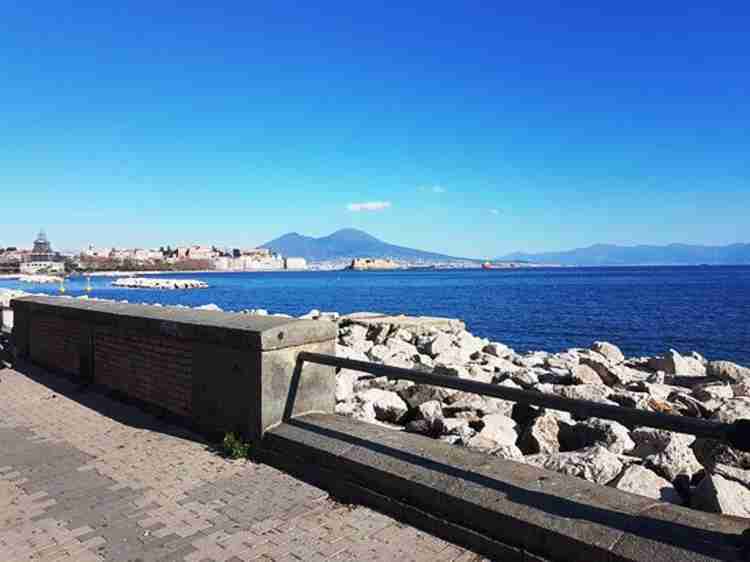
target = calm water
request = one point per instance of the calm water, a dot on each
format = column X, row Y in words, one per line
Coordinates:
column 644, row 310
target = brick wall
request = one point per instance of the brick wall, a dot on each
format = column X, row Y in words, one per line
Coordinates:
column 155, row 369
column 217, row 371
column 56, row 342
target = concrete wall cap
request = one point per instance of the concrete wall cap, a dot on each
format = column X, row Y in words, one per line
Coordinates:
column 247, row 331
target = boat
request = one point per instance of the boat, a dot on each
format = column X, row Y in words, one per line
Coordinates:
column 490, row 265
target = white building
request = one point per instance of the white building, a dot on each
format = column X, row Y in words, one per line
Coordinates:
column 42, row 259
column 295, row 263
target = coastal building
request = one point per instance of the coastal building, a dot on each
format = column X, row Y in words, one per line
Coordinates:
column 97, row 253
column 255, row 259
column 42, row 259
column 374, row 263
column 295, row 263
column 196, row 253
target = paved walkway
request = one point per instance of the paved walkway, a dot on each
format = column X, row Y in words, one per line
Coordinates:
column 84, row 478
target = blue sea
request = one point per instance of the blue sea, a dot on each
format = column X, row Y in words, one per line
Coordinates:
column 644, row 310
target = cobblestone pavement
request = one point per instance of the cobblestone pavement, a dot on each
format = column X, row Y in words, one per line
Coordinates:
column 84, row 478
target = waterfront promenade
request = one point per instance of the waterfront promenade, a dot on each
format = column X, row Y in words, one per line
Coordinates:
column 85, row 478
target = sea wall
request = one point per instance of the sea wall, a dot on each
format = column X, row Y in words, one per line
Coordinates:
column 216, row 371
column 663, row 465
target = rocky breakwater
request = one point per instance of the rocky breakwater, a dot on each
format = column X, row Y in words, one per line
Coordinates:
column 664, row 465
column 39, row 279
column 158, row 283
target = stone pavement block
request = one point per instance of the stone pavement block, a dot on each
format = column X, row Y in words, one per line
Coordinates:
column 85, row 478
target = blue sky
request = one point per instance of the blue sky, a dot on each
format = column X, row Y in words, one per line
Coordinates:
column 479, row 128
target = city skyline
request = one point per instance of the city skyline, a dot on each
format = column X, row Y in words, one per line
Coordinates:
column 465, row 130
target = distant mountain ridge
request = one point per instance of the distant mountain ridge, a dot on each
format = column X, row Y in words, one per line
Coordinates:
column 348, row 243
column 611, row 254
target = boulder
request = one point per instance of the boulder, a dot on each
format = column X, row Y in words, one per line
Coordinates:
column 212, row 307
column 532, row 359
column 592, row 392
column 644, row 482
column 499, row 429
column 596, row 431
column 439, row 345
column 432, row 413
column 452, row 370
column 733, row 473
column 379, row 353
column 595, row 464
column 468, row 344
column 378, row 333
column 388, row 406
column 498, row 350
column 728, row 371
column 733, row 409
column 351, row 353
column 672, row 363
column 630, row 399
column 420, row 393
column 455, row 426
column 613, row 375
column 717, row 494
column 525, row 378
column 666, row 452
column 541, row 436
column 508, row 452
column 345, row 380
column 608, row 350
column 585, row 374
column 398, row 345
column 712, row 391
column 674, row 460
column 741, row 388
column 711, row 453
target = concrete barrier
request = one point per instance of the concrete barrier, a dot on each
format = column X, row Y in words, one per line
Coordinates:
column 506, row 510
column 216, row 371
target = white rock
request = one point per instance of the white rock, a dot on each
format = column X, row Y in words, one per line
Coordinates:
column 508, row 452
column 728, row 371
column 388, row 406
column 608, row 350
column 717, row 494
column 439, row 345
column 345, row 380
column 541, row 436
column 733, row 409
column 644, row 482
column 596, row 431
column 595, row 464
column 211, row 306
column 430, row 411
column 673, row 363
column 498, row 350
column 499, row 429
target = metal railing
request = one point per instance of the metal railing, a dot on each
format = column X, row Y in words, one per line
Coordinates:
column 736, row 434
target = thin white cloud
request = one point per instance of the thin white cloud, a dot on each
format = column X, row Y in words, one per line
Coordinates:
column 495, row 211
column 368, row 206
column 433, row 189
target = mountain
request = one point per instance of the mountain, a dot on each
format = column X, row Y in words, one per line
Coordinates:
column 673, row 254
column 348, row 243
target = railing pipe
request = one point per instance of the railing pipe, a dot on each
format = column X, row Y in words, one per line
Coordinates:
column 736, row 434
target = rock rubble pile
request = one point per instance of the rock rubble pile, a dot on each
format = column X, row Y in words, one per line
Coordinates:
column 664, row 465
column 159, row 283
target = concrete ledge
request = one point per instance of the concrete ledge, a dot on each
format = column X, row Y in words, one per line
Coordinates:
column 242, row 331
column 537, row 512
